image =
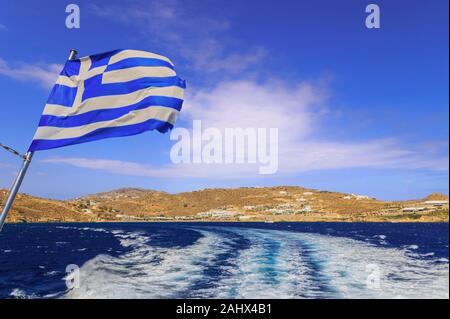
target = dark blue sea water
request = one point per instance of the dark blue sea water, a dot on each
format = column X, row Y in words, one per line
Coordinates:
column 225, row 260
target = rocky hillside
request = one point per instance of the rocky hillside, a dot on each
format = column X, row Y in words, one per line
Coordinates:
column 436, row 196
column 246, row 204
column 28, row 208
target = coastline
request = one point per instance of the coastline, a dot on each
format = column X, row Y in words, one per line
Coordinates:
column 343, row 221
column 245, row 204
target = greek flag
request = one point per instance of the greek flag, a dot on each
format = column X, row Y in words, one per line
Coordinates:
column 117, row 93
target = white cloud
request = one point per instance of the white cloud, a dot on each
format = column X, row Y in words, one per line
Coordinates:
column 209, row 57
column 44, row 75
column 226, row 171
column 182, row 28
column 3, row 27
column 297, row 112
column 246, row 103
column 112, row 166
column 158, row 13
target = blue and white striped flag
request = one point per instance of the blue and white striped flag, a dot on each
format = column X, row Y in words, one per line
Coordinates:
column 118, row 93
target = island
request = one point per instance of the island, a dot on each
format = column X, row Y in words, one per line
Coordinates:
column 245, row 204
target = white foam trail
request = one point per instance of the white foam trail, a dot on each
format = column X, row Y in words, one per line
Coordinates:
column 145, row 271
column 345, row 267
column 20, row 294
column 270, row 268
column 277, row 264
column 349, row 264
column 319, row 266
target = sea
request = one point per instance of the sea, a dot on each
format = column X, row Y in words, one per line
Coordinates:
column 224, row 260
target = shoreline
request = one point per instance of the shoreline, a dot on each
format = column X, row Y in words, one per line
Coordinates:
column 231, row 221
column 245, row 204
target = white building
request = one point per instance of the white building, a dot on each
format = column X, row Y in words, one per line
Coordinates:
column 217, row 214
column 357, row 197
column 307, row 209
column 203, row 214
column 436, row 202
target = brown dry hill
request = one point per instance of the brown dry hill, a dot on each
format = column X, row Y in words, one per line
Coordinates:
column 27, row 208
column 252, row 203
column 436, row 196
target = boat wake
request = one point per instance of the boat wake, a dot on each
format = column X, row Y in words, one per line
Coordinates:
column 228, row 262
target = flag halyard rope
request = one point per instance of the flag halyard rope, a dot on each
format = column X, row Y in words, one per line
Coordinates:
column 13, row 151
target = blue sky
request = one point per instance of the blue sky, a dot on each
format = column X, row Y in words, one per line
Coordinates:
column 358, row 110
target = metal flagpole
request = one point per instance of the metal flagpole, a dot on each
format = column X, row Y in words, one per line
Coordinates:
column 18, row 181
column 15, row 188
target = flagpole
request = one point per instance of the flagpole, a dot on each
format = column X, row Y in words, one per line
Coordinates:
column 18, row 181
column 15, row 188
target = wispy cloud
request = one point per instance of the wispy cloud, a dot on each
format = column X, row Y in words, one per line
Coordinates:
column 3, row 27
column 307, row 157
column 112, row 166
column 44, row 75
column 182, row 27
column 298, row 112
